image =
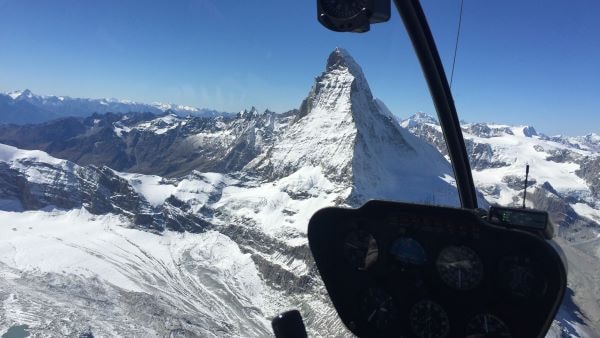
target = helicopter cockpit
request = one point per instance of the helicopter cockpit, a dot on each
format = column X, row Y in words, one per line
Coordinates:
column 405, row 270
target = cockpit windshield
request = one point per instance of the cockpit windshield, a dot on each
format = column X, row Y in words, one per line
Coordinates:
column 160, row 161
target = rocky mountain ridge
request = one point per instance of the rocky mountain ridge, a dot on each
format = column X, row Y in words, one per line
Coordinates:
column 23, row 106
column 499, row 154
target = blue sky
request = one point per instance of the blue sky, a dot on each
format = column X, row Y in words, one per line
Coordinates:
column 520, row 62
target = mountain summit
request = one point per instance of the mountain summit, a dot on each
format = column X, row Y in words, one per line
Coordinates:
column 354, row 139
column 342, row 75
column 22, row 94
column 340, row 58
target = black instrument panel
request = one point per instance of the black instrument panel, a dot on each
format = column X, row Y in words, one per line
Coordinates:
column 405, row 270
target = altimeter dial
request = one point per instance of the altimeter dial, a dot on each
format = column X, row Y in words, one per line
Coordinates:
column 460, row 267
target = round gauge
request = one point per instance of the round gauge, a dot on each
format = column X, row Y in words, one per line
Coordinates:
column 408, row 250
column 343, row 9
column 360, row 249
column 485, row 324
column 518, row 277
column 460, row 267
column 378, row 309
column 429, row 320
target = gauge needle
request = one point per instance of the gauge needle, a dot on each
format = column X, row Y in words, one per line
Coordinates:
column 351, row 245
column 429, row 319
column 464, row 264
column 485, row 324
column 372, row 315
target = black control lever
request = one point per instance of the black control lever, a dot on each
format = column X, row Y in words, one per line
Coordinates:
column 289, row 325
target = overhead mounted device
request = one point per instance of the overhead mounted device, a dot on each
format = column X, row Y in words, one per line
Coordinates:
column 352, row 16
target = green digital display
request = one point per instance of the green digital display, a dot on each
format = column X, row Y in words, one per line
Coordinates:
column 532, row 219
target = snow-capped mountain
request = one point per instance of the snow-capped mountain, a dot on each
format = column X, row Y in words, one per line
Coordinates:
column 339, row 128
column 500, row 153
column 166, row 145
column 23, row 106
column 189, row 226
column 354, row 139
column 250, row 213
column 587, row 142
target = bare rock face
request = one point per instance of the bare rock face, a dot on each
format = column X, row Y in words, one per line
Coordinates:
column 30, row 183
column 589, row 170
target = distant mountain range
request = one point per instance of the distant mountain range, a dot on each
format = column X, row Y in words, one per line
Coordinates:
column 182, row 226
column 23, row 106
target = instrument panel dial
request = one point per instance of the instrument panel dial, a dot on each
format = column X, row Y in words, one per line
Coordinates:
column 343, row 9
column 460, row 267
column 519, row 278
column 429, row 320
column 378, row 308
column 486, row 324
column 408, row 250
column 360, row 249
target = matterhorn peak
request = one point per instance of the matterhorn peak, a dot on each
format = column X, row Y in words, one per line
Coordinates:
column 341, row 58
column 341, row 85
column 346, row 135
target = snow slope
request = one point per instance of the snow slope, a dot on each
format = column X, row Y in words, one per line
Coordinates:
column 199, row 283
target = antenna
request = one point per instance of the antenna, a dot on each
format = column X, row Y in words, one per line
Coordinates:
column 526, row 177
column 456, row 44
